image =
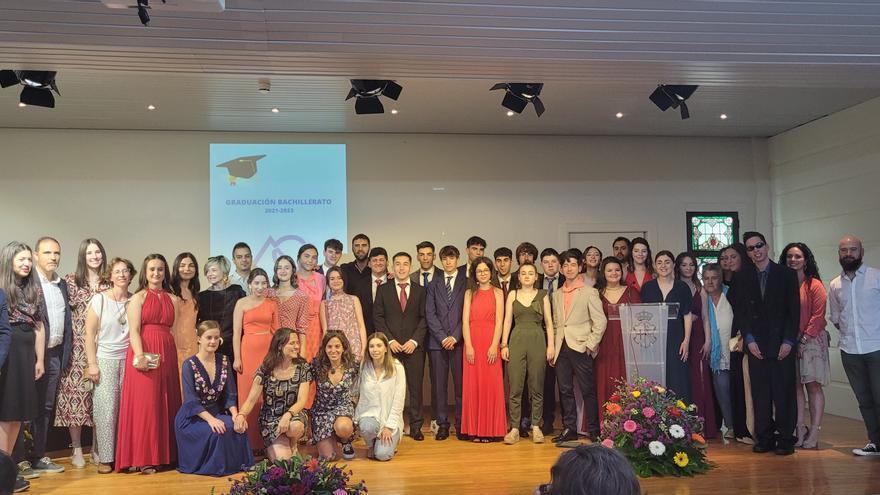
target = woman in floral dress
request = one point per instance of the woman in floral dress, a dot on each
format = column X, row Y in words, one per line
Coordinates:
column 336, row 375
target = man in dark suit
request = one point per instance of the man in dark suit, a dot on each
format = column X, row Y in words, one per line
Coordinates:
column 503, row 264
column 56, row 357
column 551, row 281
column 376, row 276
column 399, row 313
column 770, row 295
column 427, row 271
column 526, row 252
column 332, row 252
column 476, row 245
column 443, row 311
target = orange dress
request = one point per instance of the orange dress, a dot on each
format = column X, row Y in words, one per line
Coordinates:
column 184, row 331
column 314, row 288
column 257, row 327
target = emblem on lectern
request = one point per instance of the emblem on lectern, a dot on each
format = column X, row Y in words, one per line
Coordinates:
column 644, row 331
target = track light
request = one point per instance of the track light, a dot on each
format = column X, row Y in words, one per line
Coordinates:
column 674, row 96
column 368, row 91
column 518, row 95
column 37, row 86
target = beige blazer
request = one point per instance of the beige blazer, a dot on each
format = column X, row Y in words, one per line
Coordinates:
column 582, row 329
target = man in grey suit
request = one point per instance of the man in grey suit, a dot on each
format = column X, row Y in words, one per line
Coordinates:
column 579, row 321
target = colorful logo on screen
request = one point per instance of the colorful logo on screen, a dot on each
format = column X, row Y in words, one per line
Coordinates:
column 276, row 248
column 243, row 167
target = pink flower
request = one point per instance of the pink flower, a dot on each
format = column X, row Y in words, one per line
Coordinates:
column 648, row 412
column 630, row 426
column 608, row 443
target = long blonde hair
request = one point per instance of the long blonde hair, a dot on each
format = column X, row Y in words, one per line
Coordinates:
column 388, row 364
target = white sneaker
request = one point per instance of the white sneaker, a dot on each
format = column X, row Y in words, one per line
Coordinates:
column 868, row 450
column 77, row 459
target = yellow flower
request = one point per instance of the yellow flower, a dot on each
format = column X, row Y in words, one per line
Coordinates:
column 659, row 389
column 636, row 394
column 681, row 405
column 680, row 459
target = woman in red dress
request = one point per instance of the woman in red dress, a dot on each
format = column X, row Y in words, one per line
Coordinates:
column 610, row 363
column 640, row 267
column 483, row 414
column 150, row 394
column 700, row 345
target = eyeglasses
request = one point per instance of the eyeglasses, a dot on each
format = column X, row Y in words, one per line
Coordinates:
column 758, row 245
column 125, row 271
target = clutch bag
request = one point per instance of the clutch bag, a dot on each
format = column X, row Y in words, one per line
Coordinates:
column 152, row 360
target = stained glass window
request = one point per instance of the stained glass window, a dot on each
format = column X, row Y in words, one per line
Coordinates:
column 710, row 232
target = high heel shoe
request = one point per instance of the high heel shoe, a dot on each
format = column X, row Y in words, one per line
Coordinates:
column 802, row 432
column 812, row 440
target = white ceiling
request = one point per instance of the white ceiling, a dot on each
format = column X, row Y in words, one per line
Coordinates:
column 770, row 65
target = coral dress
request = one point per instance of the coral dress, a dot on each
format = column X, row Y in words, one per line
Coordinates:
column 610, row 362
column 314, row 288
column 257, row 327
column 482, row 401
column 701, row 375
column 150, row 399
column 185, row 338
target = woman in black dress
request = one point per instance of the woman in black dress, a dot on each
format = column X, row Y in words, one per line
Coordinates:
column 23, row 365
column 666, row 288
column 217, row 302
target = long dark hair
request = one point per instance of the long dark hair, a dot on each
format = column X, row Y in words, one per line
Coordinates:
column 293, row 278
column 472, row 279
column 679, row 260
column 194, row 285
column 740, row 249
column 811, row 269
column 81, row 275
column 142, row 280
column 649, row 260
column 29, row 288
column 586, row 249
column 601, row 281
column 322, row 361
column 275, row 353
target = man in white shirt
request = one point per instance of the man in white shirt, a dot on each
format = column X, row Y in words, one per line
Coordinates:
column 427, row 271
column 243, row 260
column 854, row 297
column 332, row 253
column 503, row 264
column 59, row 342
column 378, row 264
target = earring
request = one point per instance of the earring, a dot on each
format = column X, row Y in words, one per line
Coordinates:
column 221, row 340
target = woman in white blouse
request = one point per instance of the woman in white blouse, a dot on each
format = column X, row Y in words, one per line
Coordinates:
column 718, row 323
column 379, row 412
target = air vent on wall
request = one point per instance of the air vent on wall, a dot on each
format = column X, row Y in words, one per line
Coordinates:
column 172, row 5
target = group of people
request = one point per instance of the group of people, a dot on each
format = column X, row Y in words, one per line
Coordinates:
column 323, row 352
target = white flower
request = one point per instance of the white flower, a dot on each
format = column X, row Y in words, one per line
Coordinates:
column 676, row 431
column 657, row 448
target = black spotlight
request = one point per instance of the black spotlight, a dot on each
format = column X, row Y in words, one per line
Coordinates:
column 143, row 14
column 368, row 91
column 518, row 95
column 674, row 96
column 38, row 86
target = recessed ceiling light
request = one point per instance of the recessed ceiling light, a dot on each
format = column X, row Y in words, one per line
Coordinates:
column 619, row 115
column 151, row 107
column 275, row 110
column 393, row 111
column 22, row 105
column 510, row 113
column 723, row 116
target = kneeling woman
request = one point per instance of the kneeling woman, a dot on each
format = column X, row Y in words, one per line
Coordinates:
column 379, row 412
column 336, row 374
column 206, row 442
column 283, row 380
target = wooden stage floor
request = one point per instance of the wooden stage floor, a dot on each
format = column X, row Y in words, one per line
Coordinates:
column 454, row 467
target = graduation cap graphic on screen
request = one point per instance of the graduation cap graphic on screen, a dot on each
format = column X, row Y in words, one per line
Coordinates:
column 243, row 167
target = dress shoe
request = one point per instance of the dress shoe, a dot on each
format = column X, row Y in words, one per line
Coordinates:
column 547, row 428
column 442, row 433
column 566, row 436
column 461, row 436
column 781, row 450
column 761, row 448
column 417, row 435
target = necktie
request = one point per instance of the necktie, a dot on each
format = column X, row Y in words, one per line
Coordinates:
column 449, row 288
column 763, row 277
column 551, row 285
column 504, row 289
column 402, row 297
column 376, row 289
column 425, row 278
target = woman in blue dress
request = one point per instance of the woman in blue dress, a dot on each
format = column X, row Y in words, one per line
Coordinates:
column 667, row 288
column 206, row 441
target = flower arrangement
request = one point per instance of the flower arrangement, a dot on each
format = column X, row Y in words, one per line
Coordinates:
column 657, row 432
column 297, row 476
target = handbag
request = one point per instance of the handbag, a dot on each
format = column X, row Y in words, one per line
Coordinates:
column 153, row 360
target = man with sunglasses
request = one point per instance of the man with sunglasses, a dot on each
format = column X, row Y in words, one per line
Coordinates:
column 771, row 300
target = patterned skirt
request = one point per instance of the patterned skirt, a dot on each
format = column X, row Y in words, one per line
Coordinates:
column 813, row 363
column 74, row 400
